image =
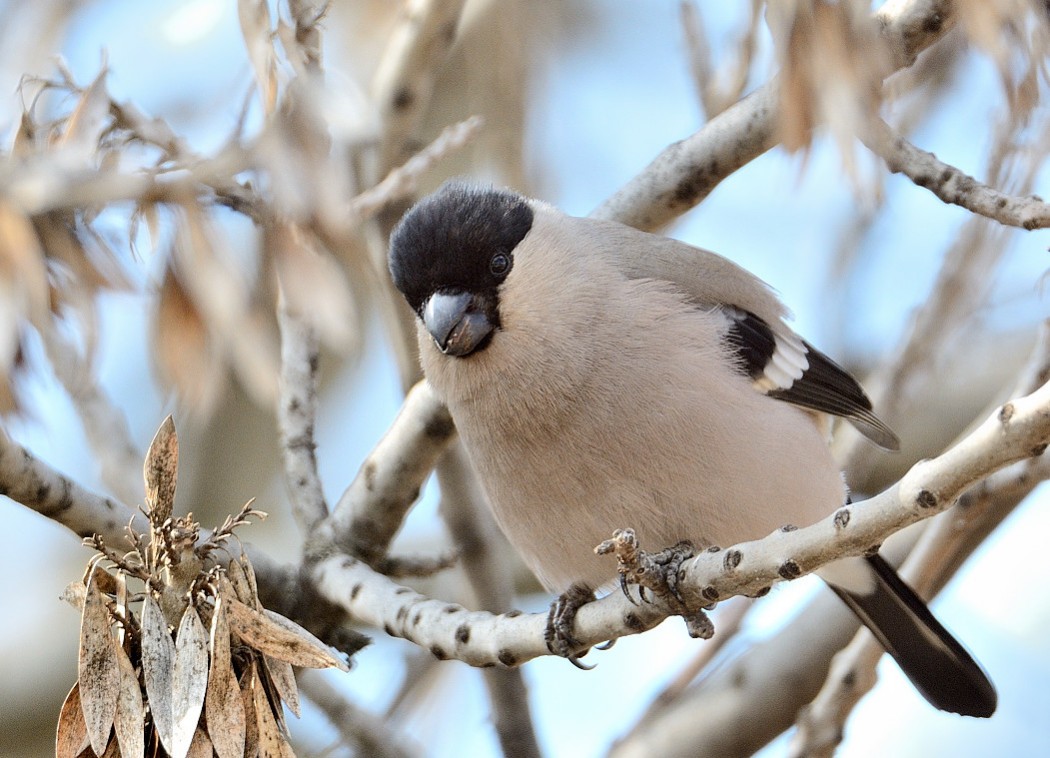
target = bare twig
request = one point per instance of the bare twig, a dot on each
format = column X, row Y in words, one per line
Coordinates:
column 297, row 414
column 962, row 284
column 103, row 423
column 727, row 621
column 403, row 181
column 952, row 185
column 718, row 93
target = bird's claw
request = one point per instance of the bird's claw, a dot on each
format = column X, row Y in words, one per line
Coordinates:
column 656, row 572
column 559, row 633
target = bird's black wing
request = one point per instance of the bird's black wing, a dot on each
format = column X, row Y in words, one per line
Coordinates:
column 783, row 365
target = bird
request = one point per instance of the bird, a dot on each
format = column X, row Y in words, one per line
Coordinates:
column 600, row 376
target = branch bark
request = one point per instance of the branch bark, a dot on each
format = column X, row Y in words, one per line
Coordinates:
column 952, row 185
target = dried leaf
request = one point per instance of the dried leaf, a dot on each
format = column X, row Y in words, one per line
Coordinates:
column 144, row 211
column 71, row 737
column 161, row 471
column 189, row 680
column 184, row 350
column 270, row 737
column 273, row 696
column 91, row 116
column 313, row 285
column 112, row 750
column 129, row 723
column 201, row 747
column 24, row 289
column 249, row 575
column 223, row 706
column 120, row 597
column 254, row 16
column 158, row 663
column 283, row 678
column 74, row 594
column 97, row 667
column 222, row 291
column 25, row 138
column 274, row 635
column 249, row 681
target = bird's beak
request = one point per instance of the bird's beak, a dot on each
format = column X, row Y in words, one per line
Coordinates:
column 456, row 322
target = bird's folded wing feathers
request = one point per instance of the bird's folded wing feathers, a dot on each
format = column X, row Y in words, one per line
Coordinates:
column 784, row 366
column 780, row 363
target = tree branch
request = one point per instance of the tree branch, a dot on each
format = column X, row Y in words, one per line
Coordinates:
column 297, row 414
column 371, row 510
column 104, row 424
column 31, row 482
column 1020, row 429
column 687, row 171
column 404, row 80
column 944, row 545
column 952, row 185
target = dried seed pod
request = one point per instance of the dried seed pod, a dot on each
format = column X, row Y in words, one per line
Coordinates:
column 274, row 635
column 130, row 720
column 97, row 669
column 223, row 706
column 189, row 681
column 160, row 472
column 158, row 665
column 71, row 737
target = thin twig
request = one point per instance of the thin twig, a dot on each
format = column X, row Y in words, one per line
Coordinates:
column 103, row 422
column 368, row 733
column 34, row 484
column 952, row 185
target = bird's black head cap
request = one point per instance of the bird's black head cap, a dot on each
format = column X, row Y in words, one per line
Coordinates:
column 461, row 238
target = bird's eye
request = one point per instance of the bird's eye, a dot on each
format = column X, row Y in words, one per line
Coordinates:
column 500, row 264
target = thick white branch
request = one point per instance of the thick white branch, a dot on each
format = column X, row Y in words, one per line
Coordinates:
column 404, row 80
column 371, row 510
column 31, row 482
column 297, row 414
column 1020, row 429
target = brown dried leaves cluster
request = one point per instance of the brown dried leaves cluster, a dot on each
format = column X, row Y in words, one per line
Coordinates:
column 833, row 58
column 177, row 656
column 832, row 63
column 79, row 152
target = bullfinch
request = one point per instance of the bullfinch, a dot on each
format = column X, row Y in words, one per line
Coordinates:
column 603, row 377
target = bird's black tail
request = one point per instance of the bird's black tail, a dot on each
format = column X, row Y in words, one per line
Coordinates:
column 935, row 662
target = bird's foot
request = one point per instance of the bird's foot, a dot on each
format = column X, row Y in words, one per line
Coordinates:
column 659, row 573
column 558, row 634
